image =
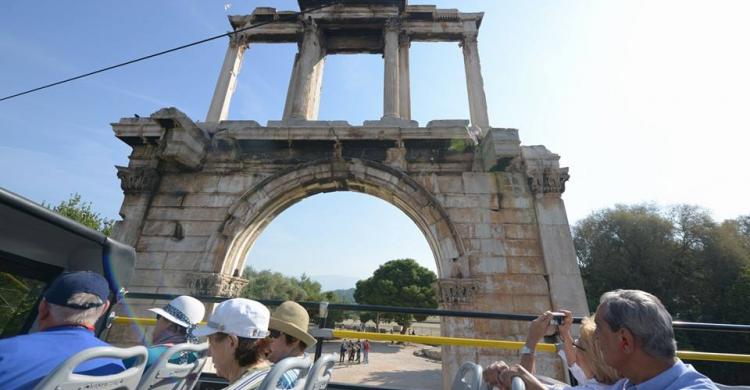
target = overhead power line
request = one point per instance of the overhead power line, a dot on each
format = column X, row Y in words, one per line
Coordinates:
column 328, row 4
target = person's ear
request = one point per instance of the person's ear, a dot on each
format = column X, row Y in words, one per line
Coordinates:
column 43, row 310
column 234, row 342
column 626, row 341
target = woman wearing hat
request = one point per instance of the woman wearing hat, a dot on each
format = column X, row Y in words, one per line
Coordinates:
column 237, row 342
column 174, row 325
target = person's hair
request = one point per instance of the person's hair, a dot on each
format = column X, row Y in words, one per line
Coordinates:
column 602, row 372
column 249, row 351
column 173, row 326
column 290, row 339
column 644, row 316
column 69, row 315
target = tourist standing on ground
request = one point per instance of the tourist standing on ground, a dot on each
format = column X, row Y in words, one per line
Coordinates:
column 68, row 312
column 288, row 327
column 237, row 341
column 366, row 348
column 359, row 350
column 342, row 351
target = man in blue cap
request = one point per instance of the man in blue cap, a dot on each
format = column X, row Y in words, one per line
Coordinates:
column 71, row 306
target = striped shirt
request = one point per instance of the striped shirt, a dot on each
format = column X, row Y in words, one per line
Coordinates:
column 251, row 379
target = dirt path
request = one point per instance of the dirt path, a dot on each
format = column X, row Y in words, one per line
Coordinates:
column 391, row 365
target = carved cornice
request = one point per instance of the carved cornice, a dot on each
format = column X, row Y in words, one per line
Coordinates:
column 238, row 40
column 469, row 40
column 214, row 284
column 392, row 25
column 457, row 290
column 134, row 180
column 549, row 180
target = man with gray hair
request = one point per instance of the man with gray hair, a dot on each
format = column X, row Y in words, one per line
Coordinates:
column 71, row 306
column 635, row 334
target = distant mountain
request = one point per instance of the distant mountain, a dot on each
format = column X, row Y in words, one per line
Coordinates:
column 345, row 296
column 335, row 282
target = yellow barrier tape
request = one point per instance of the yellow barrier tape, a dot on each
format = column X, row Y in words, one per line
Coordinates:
column 713, row 357
column 464, row 342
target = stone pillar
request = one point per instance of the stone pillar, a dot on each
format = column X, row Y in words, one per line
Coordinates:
column 311, row 54
column 391, row 107
column 404, row 98
column 138, row 184
column 317, row 83
column 290, row 89
column 225, row 85
column 474, row 83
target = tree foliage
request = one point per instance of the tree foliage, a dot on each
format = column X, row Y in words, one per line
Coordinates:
column 401, row 282
column 275, row 285
column 82, row 212
column 699, row 268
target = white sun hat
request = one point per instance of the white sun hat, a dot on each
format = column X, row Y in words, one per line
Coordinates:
column 241, row 317
column 184, row 310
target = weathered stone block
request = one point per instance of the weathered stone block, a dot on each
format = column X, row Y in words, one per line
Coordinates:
column 478, row 183
column 168, row 200
column 511, row 201
column 483, row 230
column 158, row 228
column 234, row 184
column 209, row 200
column 464, row 215
column 531, row 304
column 488, row 265
column 187, row 261
column 520, row 232
column 188, row 213
column 525, row 265
column 450, row 184
column 150, row 260
column 522, row 248
column 161, row 244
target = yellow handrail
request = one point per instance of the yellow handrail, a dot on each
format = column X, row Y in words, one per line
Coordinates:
column 464, row 342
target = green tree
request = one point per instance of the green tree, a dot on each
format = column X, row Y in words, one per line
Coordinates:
column 82, row 212
column 400, row 282
column 700, row 269
column 275, row 285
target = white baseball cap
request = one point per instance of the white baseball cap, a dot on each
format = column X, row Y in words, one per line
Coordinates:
column 241, row 317
column 184, row 310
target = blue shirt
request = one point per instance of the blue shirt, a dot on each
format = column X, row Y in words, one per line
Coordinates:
column 679, row 376
column 25, row 360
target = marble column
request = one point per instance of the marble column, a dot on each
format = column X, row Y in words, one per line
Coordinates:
column 225, row 85
column 404, row 98
column 311, row 54
column 391, row 107
column 474, row 83
column 317, row 84
column 290, row 89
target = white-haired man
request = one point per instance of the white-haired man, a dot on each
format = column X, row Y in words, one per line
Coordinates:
column 635, row 333
column 67, row 314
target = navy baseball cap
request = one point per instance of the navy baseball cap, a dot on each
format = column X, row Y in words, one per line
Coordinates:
column 71, row 283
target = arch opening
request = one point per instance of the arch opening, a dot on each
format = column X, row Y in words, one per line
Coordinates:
column 266, row 200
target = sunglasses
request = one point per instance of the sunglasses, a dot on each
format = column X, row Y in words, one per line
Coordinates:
column 274, row 334
column 577, row 344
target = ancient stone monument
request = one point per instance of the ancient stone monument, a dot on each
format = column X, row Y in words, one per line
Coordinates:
column 198, row 194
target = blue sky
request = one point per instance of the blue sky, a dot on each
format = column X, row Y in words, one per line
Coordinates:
column 644, row 101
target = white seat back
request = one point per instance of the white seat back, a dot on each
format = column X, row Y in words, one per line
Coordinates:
column 320, row 373
column 63, row 378
column 163, row 375
column 725, row 387
column 290, row 363
column 468, row 377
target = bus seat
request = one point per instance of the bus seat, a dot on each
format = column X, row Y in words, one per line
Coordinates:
column 63, row 378
column 290, row 363
column 320, row 373
column 468, row 377
column 164, row 375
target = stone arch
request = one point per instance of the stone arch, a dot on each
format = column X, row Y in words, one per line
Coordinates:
column 259, row 205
